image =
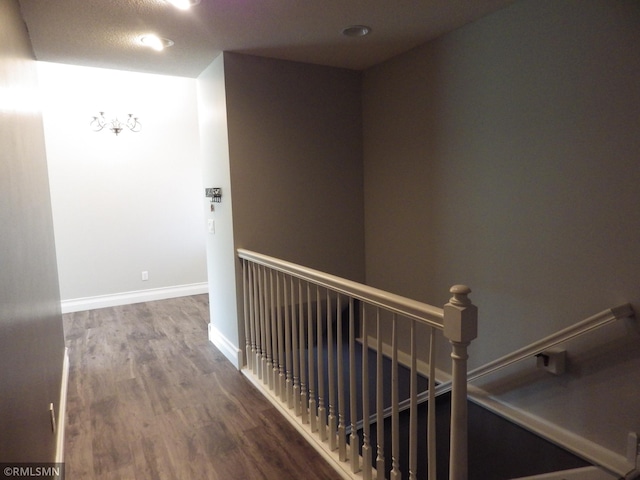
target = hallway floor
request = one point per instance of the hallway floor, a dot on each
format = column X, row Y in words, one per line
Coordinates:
column 151, row 398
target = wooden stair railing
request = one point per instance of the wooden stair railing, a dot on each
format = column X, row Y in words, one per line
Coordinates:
column 295, row 339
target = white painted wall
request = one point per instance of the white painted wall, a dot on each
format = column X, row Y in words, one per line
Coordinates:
column 225, row 323
column 509, row 156
column 129, row 203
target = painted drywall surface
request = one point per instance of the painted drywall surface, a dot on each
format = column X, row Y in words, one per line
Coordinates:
column 31, row 337
column 283, row 140
column 128, row 203
column 296, row 162
column 508, row 152
column 221, row 261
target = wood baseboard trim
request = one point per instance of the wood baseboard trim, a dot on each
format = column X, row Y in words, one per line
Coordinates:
column 331, row 457
column 127, row 298
column 226, row 346
column 62, row 408
column 598, row 455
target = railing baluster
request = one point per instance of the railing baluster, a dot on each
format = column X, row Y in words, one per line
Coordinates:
column 331, row 365
column 275, row 302
column 295, row 394
column 276, row 337
column 264, row 340
column 380, row 467
column 395, row 410
column 413, row 409
column 313, row 414
column 251, row 331
column 322, row 412
column 431, row 407
column 302, row 397
column 270, row 323
column 245, row 305
column 281, row 373
column 256, row 321
column 366, row 412
column 266, row 349
column 287, row 348
column 342, row 438
column 263, row 337
column 354, row 438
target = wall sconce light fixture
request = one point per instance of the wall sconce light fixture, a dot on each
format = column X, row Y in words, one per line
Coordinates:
column 116, row 126
column 214, row 195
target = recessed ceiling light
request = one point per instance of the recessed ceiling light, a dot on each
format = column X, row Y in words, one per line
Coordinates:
column 184, row 4
column 155, row 42
column 356, row 31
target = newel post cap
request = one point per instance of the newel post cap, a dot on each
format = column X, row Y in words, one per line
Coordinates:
column 460, row 316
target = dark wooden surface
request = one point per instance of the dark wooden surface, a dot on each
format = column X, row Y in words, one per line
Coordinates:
column 151, row 398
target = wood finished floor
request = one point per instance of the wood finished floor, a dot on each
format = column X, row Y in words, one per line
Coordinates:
column 151, row 398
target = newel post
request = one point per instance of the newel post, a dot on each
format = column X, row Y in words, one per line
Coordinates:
column 460, row 327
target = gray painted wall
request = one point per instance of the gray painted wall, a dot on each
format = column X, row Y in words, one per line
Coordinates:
column 292, row 174
column 296, row 162
column 509, row 156
column 31, row 337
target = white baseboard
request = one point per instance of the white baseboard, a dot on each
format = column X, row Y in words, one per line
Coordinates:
column 228, row 349
column 322, row 447
column 585, row 473
column 62, row 408
column 592, row 452
column 138, row 296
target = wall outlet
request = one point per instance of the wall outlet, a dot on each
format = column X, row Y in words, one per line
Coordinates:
column 145, row 276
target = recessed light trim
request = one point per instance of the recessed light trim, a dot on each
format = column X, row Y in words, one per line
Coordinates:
column 356, row 31
column 184, row 4
column 155, row 42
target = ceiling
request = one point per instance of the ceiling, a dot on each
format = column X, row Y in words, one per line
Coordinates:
column 104, row 33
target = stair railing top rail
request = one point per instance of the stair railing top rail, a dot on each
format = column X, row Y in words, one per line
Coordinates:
column 432, row 316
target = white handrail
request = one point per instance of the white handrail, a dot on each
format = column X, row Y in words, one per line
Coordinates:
column 580, row 328
column 584, row 326
column 407, row 307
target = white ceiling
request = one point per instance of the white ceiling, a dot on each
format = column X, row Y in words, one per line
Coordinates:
column 103, row 33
